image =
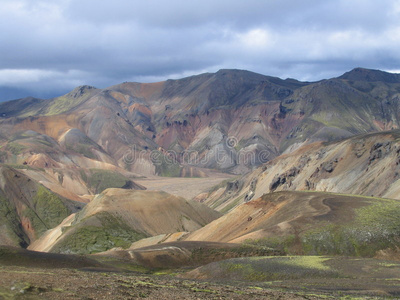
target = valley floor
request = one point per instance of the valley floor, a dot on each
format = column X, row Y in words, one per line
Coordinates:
column 187, row 188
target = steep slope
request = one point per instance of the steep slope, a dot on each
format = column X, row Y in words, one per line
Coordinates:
column 310, row 223
column 28, row 209
column 364, row 165
column 232, row 120
column 117, row 218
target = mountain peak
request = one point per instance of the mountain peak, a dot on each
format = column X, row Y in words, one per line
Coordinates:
column 369, row 75
column 80, row 90
column 222, row 71
column 239, row 72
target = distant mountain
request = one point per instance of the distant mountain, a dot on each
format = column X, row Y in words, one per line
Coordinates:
column 366, row 75
column 231, row 120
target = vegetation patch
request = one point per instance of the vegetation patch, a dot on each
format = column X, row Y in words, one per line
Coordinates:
column 98, row 180
column 283, row 244
column 47, row 211
column 22, row 135
column 9, row 220
column 271, row 268
column 81, row 148
column 49, row 207
column 376, row 227
column 65, row 103
column 15, row 148
column 87, row 239
column 310, row 262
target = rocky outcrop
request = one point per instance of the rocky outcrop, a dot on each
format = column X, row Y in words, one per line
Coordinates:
column 233, row 186
column 284, row 178
column 379, row 150
column 252, row 188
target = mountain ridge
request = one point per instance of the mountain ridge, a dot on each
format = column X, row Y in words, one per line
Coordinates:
column 371, row 75
column 357, row 73
column 230, row 114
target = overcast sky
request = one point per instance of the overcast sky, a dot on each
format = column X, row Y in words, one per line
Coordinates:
column 49, row 47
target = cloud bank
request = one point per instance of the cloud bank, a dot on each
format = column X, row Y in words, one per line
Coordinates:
column 49, row 47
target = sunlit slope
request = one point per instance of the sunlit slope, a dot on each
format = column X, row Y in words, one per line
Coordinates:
column 28, row 209
column 310, row 223
column 117, row 218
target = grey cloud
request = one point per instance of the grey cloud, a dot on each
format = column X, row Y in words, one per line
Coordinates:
column 103, row 43
column 238, row 14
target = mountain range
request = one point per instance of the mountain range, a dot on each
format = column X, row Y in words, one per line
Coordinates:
column 231, row 120
column 210, row 167
column 90, row 139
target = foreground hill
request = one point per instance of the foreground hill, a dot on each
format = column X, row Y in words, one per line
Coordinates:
column 313, row 223
column 34, row 275
column 359, row 278
column 117, row 218
column 231, row 120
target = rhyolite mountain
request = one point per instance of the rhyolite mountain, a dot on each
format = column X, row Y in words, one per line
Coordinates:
column 231, row 120
column 367, row 165
column 90, row 139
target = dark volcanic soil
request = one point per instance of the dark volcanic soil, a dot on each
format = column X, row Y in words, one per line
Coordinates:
column 34, row 283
